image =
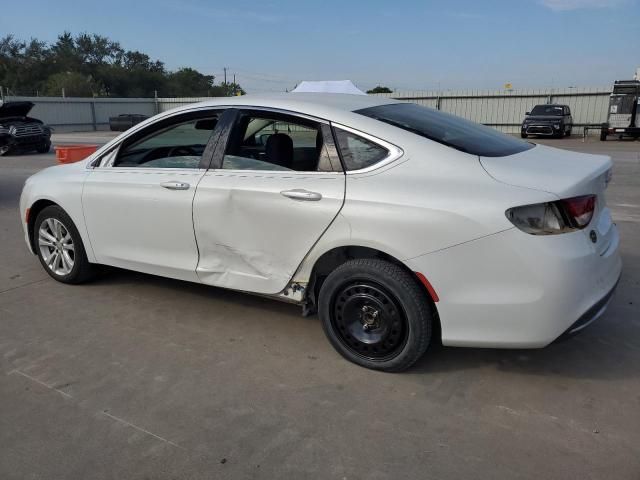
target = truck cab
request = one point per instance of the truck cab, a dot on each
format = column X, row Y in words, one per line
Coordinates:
column 623, row 116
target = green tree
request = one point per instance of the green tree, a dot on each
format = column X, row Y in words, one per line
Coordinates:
column 74, row 84
column 187, row 82
column 227, row 90
column 380, row 89
column 89, row 64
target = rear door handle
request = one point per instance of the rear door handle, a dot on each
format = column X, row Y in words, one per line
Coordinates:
column 175, row 185
column 299, row 194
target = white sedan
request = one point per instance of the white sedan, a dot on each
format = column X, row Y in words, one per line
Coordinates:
column 394, row 222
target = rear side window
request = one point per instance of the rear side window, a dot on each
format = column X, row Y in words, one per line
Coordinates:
column 455, row 132
column 357, row 152
column 270, row 141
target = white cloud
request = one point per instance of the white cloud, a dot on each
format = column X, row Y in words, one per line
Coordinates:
column 564, row 5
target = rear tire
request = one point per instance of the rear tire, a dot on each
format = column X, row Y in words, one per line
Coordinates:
column 375, row 314
column 60, row 248
column 603, row 136
column 523, row 135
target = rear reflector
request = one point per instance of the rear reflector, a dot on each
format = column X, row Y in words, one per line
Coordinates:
column 427, row 285
column 26, row 215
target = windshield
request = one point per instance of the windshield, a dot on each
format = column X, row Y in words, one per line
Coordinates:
column 547, row 110
column 447, row 129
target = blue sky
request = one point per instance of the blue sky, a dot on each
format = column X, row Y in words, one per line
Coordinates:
column 407, row 45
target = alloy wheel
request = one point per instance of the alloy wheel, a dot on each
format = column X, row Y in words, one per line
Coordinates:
column 56, row 246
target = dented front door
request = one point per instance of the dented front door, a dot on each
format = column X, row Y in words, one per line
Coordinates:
column 254, row 227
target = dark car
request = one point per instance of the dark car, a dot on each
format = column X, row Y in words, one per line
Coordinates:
column 125, row 121
column 548, row 120
column 18, row 132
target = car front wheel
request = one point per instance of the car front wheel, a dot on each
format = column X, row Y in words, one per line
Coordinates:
column 44, row 147
column 376, row 314
column 59, row 247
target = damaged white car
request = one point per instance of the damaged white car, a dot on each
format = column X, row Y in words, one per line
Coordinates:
column 395, row 222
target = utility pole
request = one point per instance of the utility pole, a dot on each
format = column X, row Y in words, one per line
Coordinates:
column 225, row 74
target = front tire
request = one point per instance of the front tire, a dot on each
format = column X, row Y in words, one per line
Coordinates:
column 60, row 248
column 375, row 314
column 44, row 148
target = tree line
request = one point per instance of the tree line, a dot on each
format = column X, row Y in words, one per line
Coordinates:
column 90, row 65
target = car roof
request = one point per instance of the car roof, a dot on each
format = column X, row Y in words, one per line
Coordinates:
column 321, row 105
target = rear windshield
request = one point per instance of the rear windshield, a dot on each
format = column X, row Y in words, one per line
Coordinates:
column 447, row 129
column 547, row 110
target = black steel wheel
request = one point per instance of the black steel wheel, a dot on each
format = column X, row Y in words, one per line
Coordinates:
column 368, row 320
column 376, row 314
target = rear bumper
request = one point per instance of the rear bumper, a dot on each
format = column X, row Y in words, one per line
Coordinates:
column 624, row 131
column 513, row 290
column 590, row 315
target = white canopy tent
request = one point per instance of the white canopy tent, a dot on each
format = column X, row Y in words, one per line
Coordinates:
column 328, row 86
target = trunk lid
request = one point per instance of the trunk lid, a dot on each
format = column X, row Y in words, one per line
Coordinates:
column 561, row 172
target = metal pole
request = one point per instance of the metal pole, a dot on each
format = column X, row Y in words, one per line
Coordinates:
column 93, row 116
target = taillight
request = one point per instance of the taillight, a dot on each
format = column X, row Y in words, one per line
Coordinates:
column 551, row 218
column 580, row 209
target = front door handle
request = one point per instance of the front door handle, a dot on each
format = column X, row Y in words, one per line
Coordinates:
column 175, row 185
column 298, row 194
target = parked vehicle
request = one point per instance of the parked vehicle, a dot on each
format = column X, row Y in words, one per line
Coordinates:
column 548, row 120
column 19, row 132
column 391, row 220
column 623, row 118
column 125, row 121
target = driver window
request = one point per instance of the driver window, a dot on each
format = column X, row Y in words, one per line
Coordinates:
column 178, row 145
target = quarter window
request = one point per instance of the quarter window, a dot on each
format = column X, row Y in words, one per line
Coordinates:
column 177, row 145
column 357, row 152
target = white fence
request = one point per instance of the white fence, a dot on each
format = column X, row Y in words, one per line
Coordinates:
column 503, row 110
column 82, row 114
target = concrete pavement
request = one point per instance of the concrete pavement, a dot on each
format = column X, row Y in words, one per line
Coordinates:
column 135, row 376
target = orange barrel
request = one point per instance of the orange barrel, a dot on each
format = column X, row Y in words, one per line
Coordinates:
column 73, row 153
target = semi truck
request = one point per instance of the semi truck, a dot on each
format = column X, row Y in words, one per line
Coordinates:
column 623, row 117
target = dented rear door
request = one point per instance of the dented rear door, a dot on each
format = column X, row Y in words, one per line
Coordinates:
column 254, row 227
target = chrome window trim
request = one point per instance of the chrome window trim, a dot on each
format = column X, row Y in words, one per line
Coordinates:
column 270, row 173
column 394, row 154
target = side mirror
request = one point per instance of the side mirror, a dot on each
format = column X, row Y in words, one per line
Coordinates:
column 528, row 113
